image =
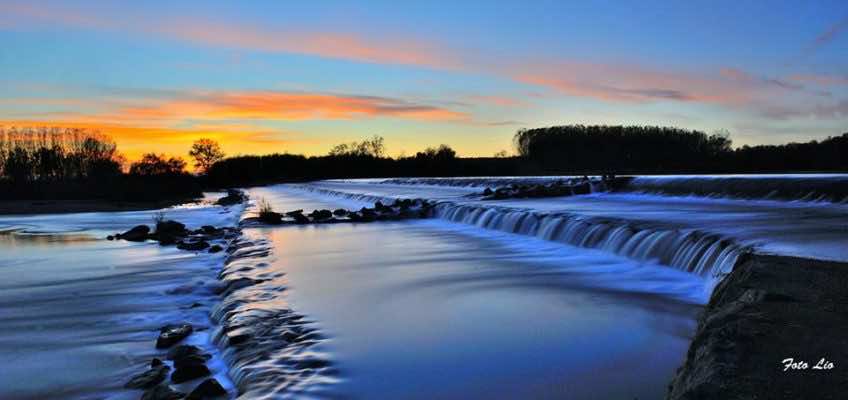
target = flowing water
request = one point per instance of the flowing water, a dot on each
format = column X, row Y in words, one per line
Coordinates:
column 580, row 297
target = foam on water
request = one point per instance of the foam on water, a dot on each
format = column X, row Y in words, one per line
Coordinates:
column 80, row 314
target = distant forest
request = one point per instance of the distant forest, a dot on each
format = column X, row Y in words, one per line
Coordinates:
column 64, row 163
column 558, row 150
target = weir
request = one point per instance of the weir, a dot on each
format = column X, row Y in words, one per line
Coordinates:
column 702, row 253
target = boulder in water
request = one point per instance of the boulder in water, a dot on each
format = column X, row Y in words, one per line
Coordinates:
column 149, row 378
column 138, row 233
column 170, row 227
column 208, row 389
column 189, row 371
column 215, row 248
column 182, row 351
column 170, row 335
column 340, row 212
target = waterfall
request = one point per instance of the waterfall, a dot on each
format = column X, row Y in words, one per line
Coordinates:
column 690, row 250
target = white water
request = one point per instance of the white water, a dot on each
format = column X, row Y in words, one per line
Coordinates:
column 586, row 296
column 79, row 315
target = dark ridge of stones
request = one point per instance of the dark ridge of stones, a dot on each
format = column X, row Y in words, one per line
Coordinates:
column 156, row 363
column 208, row 389
column 170, row 335
column 233, row 197
column 769, row 309
column 189, row 372
column 162, row 392
column 174, row 233
column 560, row 188
column 400, row 209
column 138, row 233
column 149, row 378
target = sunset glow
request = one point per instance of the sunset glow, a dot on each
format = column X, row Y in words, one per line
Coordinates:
column 276, row 78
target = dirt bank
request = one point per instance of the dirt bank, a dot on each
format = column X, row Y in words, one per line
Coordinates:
column 770, row 309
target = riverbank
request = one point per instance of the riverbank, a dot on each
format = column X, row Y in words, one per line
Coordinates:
column 26, row 207
column 773, row 329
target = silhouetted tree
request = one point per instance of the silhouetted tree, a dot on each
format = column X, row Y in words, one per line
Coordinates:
column 152, row 164
column 205, row 152
column 373, row 147
column 441, row 153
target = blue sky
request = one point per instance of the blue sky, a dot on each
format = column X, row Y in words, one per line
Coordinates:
column 289, row 76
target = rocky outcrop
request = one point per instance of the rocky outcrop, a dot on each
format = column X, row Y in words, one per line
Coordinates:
column 773, row 329
column 170, row 232
column 399, row 209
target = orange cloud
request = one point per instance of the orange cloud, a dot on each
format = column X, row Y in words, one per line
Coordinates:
column 274, row 106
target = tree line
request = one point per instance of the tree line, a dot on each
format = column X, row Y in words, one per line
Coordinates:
column 76, row 163
column 652, row 149
column 59, row 163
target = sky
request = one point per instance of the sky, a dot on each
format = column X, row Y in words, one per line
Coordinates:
column 279, row 76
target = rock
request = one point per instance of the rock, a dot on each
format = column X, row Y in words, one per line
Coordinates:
column 188, row 372
column 300, row 219
column 170, row 335
column 110, row 237
column 189, row 360
column 320, row 215
column 340, row 212
column 209, row 229
column 149, row 378
column 293, row 213
column 182, row 350
column 208, row 389
column 162, row 392
column 193, row 246
column 215, row 248
column 138, row 233
column 232, row 197
column 170, row 226
column 156, row 363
